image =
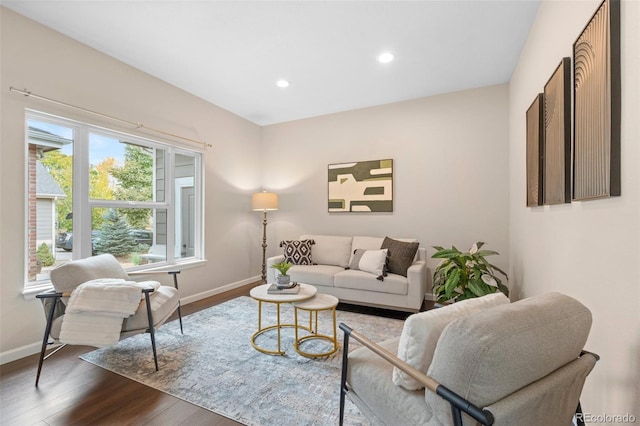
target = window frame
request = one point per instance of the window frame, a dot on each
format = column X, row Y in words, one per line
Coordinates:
column 83, row 204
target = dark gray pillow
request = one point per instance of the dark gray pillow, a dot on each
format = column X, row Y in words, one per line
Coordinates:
column 401, row 255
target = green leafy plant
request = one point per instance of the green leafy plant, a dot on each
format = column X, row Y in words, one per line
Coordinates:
column 44, row 255
column 282, row 267
column 465, row 275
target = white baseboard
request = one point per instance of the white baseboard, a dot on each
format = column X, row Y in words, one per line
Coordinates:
column 21, row 352
column 34, row 348
column 218, row 290
column 430, row 296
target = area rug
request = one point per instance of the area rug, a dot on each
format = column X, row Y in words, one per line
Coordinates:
column 214, row 366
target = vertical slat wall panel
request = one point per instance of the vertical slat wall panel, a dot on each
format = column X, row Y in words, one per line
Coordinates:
column 535, row 132
column 557, row 136
column 596, row 160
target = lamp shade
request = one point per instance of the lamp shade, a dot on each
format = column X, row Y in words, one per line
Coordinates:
column 264, row 201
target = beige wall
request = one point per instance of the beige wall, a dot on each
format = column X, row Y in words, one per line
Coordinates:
column 450, row 159
column 55, row 66
column 588, row 250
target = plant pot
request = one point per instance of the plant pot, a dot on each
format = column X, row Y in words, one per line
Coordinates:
column 283, row 279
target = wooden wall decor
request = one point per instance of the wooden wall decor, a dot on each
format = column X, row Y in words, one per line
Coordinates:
column 535, row 133
column 596, row 52
column 557, row 136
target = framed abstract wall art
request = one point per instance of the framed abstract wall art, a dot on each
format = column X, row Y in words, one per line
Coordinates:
column 535, row 133
column 596, row 70
column 557, row 136
column 363, row 186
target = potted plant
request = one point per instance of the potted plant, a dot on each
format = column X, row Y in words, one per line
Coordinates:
column 282, row 267
column 464, row 275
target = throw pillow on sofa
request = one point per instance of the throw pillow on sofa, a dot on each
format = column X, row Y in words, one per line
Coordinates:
column 372, row 261
column 401, row 255
column 297, row 252
column 421, row 332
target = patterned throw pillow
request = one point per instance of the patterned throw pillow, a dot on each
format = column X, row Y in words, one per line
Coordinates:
column 401, row 255
column 297, row 252
column 372, row 261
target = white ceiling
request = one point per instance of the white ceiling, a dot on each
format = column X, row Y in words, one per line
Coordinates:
column 231, row 53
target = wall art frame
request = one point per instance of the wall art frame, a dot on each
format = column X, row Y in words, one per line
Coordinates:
column 557, row 136
column 597, row 110
column 362, row 186
column 535, row 151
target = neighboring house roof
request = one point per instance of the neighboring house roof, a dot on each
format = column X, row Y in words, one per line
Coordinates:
column 45, row 140
column 46, row 185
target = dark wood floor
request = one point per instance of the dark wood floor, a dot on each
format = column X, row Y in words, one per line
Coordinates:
column 74, row 392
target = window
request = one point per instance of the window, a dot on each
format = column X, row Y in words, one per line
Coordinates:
column 94, row 190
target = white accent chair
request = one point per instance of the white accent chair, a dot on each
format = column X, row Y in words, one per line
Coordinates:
column 508, row 364
column 154, row 309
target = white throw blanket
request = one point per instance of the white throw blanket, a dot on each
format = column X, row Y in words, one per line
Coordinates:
column 96, row 308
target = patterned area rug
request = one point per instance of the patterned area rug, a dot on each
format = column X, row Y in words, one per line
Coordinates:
column 213, row 365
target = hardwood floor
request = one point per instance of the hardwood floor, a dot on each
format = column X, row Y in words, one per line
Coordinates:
column 74, row 392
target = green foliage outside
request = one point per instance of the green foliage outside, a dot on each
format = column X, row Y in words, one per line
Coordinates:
column 464, row 275
column 135, row 180
column 60, row 166
column 44, row 255
column 114, row 236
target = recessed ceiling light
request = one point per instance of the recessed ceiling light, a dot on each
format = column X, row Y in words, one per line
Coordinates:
column 385, row 58
column 283, row 83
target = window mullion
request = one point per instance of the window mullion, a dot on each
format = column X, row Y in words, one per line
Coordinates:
column 170, row 200
column 81, row 207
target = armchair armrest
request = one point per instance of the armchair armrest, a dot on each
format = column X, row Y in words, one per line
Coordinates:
column 458, row 403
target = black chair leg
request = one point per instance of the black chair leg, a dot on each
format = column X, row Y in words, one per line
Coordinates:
column 345, row 366
column 175, row 284
column 579, row 415
column 151, row 330
column 45, row 340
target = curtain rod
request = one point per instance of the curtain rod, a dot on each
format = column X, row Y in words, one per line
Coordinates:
column 137, row 125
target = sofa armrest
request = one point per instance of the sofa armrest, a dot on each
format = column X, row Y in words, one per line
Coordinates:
column 458, row 404
column 417, row 278
column 271, row 273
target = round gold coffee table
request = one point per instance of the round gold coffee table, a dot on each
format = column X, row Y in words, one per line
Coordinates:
column 260, row 294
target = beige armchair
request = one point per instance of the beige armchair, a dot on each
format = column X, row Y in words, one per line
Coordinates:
column 156, row 305
column 486, row 362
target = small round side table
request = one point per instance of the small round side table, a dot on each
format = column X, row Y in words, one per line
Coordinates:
column 262, row 295
column 320, row 302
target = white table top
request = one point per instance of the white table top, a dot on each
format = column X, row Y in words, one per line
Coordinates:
column 260, row 293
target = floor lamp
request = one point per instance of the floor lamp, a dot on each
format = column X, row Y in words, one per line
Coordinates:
column 264, row 201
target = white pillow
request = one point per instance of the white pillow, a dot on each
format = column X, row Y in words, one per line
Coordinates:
column 372, row 261
column 422, row 330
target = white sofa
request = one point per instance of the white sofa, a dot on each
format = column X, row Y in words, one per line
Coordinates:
column 330, row 274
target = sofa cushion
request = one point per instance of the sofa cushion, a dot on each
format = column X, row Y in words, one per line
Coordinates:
column 297, row 252
column 421, row 332
column 330, row 250
column 401, row 255
column 500, row 350
column 359, row 280
column 317, row 275
column 370, row 378
column 372, row 261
